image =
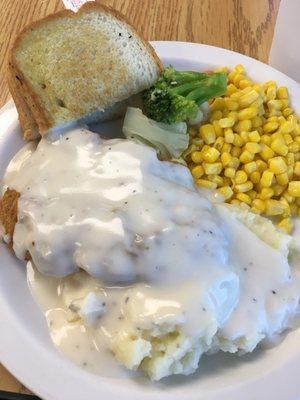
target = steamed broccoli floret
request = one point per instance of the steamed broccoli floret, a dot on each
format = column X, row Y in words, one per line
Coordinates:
column 177, row 95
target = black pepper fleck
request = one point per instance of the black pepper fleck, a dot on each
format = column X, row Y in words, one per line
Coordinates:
column 84, row 364
column 67, row 138
column 203, row 309
column 254, row 299
column 120, row 34
column 127, row 299
column 245, row 269
column 273, row 291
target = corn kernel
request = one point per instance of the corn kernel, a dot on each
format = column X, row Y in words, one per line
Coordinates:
column 297, row 169
column 225, row 113
column 294, row 188
column 210, row 154
column 229, row 135
column 226, row 192
column 229, row 172
column 225, row 159
column 216, row 179
column 197, row 171
column 206, row 184
column 278, row 189
column 212, row 168
column 270, row 127
column 250, row 167
column 261, row 165
column 219, row 143
column 207, row 133
column 294, row 209
column 254, row 136
column 287, row 111
column 294, row 147
column 248, row 98
column 290, row 158
column 288, row 138
column 277, row 165
column 239, row 68
column 290, row 171
column 233, row 115
column 231, row 104
column 246, row 157
column 243, row 197
column 265, row 139
column 238, row 77
column 286, row 224
column 247, row 113
column 244, row 187
column 266, row 152
column 256, row 121
column 245, row 83
column 245, row 136
column 240, row 177
column 218, row 104
column 278, row 145
column 259, row 205
column 286, row 127
column 274, row 207
column 226, row 122
column 253, row 147
column 282, row 93
column 196, row 157
column 231, row 89
column 274, row 104
column 255, row 177
column 218, row 129
column 235, row 202
column 271, row 93
column 281, row 119
column 252, row 194
column 266, row 193
column 216, row 115
column 293, row 119
column 267, row 179
column 226, row 148
column 234, row 162
column 236, row 151
column 241, row 126
column 288, row 197
column 237, row 140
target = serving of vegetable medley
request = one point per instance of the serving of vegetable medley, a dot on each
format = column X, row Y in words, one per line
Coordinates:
column 244, row 143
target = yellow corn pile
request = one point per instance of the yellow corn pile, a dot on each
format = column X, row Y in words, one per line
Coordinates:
column 249, row 150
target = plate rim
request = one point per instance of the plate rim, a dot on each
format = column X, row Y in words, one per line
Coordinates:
column 38, row 381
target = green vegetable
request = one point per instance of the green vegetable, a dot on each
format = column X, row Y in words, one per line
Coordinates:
column 169, row 140
column 177, row 95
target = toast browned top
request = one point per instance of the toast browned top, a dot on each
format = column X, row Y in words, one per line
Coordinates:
column 22, row 90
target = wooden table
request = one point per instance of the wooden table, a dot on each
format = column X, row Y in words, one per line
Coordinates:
column 245, row 26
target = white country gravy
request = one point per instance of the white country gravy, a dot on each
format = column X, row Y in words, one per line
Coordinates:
column 155, row 250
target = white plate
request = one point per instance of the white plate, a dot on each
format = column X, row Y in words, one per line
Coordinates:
column 25, row 346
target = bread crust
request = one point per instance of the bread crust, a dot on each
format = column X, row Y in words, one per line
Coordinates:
column 19, row 84
column 9, row 213
column 27, row 122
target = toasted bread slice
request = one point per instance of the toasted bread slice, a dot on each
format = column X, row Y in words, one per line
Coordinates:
column 74, row 67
